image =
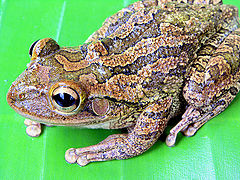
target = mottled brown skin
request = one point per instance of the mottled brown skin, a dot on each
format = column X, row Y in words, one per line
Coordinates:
column 148, row 63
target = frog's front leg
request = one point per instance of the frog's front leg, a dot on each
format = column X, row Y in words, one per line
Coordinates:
column 149, row 126
column 211, row 88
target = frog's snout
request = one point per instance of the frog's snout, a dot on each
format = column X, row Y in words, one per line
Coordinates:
column 19, row 94
column 14, row 96
column 10, row 96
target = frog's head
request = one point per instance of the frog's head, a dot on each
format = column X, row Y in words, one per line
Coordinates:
column 50, row 91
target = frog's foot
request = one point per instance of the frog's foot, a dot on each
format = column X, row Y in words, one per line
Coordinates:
column 33, row 128
column 105, row 150
column 194, row 118
column 189, row 116
column 149, row 126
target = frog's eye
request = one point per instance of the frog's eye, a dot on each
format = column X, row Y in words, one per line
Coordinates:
column 65, row 99
column 31, row 48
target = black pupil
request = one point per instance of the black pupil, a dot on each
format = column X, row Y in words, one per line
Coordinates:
column 31, row 48
column 64, row 100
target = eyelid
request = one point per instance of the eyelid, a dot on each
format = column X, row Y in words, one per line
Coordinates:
column 32, row 47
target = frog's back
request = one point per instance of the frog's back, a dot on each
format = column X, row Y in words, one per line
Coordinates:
column 146, row 52
column 194, row 21
column 157, row 43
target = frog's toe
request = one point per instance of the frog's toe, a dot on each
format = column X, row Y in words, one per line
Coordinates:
column 33, row 128
column 81, row 161
column 33, row 131
column 71, row 156
column 193, row 128
column 190, row 131
column 170, row 140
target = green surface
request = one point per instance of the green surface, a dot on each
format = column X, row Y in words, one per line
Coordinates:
column 213, row 153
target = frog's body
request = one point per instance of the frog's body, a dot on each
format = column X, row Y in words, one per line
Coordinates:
column 144, row 66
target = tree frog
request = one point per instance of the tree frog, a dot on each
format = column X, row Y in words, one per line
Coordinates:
column 148, row 63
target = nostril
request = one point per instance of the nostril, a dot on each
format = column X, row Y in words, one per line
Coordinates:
column 21, row 96
column 15, row 94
